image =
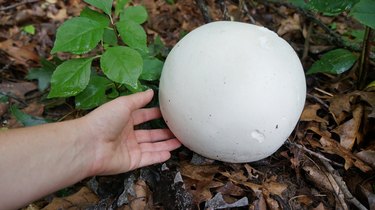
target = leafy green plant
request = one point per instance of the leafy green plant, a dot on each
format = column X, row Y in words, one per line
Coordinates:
column 110, row 51
column 338, row 61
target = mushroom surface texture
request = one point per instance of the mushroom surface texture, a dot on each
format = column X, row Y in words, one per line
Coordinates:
column 232, row 91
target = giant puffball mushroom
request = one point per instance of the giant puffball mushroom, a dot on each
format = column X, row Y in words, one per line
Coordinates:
column 232, row 91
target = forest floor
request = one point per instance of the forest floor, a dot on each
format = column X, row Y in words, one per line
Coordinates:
column 327, row 163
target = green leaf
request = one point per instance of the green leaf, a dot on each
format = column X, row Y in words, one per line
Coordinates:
column 94, row 94
column 43, row 74
column 299, row 3
column 122, row 65
column 3, row 98
column 96, row 16
column 331, row 7
column 120, row 4
column 136, row 89
column 25, row 119
column 151, row 69
column 371, row 85
column 138, row 14
column 364, row 12
column 104, row 5
column 70, row 78
column 30, row 29
column 158, row 48
column 133, row 35
column 78, row 35
column 109, row 37
column 334, row 62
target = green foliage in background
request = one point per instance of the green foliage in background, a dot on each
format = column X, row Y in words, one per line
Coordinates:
column 111, row 55
column 340, row 60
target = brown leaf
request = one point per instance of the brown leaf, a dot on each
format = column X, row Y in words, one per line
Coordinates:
column 310, row 114
column 20, row 53
column 198, row 180
column 367, row 156
column 368, row 97
column 3, row 108
column 80, row 200
column 292, row 23
column 349, row 131
column 320, row 207
column 18, row 89
column 199, row 172
column 231, row 189
column 340, row 106
column 143, row 196
column 333, row 147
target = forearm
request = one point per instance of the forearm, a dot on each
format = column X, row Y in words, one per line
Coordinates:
column 40, row 160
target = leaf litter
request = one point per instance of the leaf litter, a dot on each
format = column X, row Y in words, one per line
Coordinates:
column 337, row 124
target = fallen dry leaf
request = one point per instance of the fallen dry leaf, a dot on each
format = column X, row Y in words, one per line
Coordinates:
column 17, row 89
column 310, row 114
column 19, row 52
column 320, row 207
column 231, row 189
column 367, row 156
column 368, row 97
column 198, row 180
column 340, row 106
column 80, row 200
column 333, row 147
column 142, row 199
column 324, row 180
column 349, row 131
column 292, row 23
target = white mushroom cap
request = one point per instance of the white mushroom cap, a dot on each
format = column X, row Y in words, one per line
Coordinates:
column 232, row 91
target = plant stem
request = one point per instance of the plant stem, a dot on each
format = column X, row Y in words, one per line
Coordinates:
column 365, row 58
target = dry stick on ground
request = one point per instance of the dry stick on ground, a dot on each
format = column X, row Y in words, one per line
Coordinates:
column 320, row 156
column 224, row 9
column 17, row 4
column 204, row 10
column 365, row 58
column 306, row 46
column 243, row 6
column 340, row 182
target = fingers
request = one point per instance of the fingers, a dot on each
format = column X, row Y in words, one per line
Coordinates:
column 144, row 115
column 149, row 158
column 157, row 152
column 154, row 135
column 139, row 100
column 167, row 145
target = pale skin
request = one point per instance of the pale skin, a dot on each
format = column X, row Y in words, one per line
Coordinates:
column 40, row 160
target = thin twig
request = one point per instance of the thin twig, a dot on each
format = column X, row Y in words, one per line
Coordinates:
column 318, row 100
column 306, row 45
column 17, row 4
column 224, row 8
column 320, row 156
column 340, row 182
column 365, row 58
column 243, row 5
column 204, row 10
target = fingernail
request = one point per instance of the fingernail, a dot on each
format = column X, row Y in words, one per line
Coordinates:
column 149, row 90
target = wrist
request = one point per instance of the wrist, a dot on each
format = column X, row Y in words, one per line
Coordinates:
column 85, row 145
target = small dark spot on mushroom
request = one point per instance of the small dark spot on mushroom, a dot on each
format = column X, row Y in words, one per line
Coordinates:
column 166, row 121
column 169, row 100
column 190, row 118
column 277, row 126
column 210, row 115
column 225, row 83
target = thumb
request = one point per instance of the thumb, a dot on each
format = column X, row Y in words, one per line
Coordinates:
column 138, row 100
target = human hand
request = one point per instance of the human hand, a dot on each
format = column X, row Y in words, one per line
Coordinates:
column 116, row 146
